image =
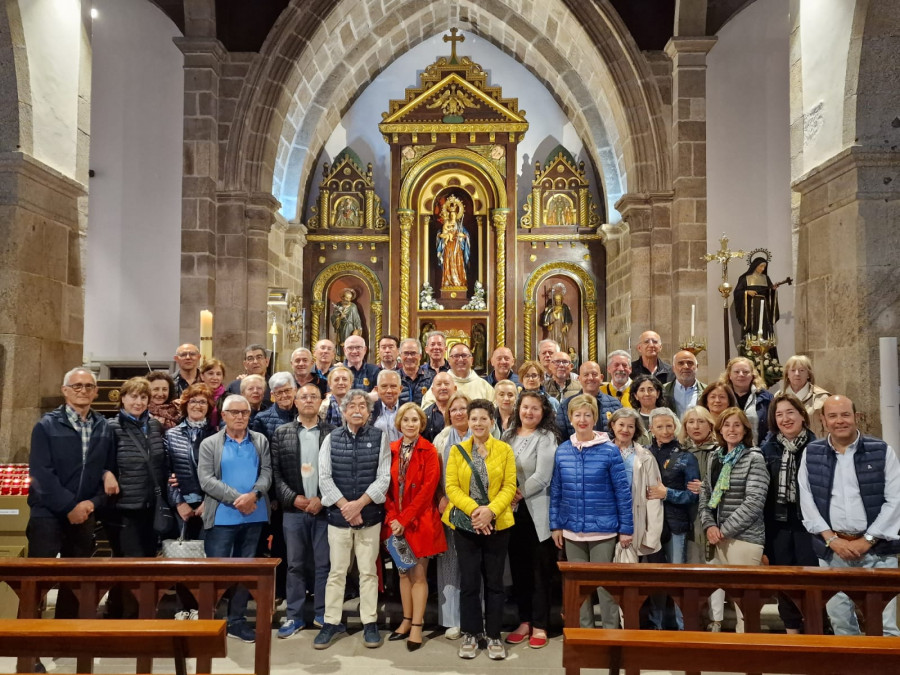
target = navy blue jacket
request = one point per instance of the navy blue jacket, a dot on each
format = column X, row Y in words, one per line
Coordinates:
column 354, row 467
column 183, row 457
column 605, row 404
column 268, row 420
column 677, row 468
column 366, row 377
column 60, row 479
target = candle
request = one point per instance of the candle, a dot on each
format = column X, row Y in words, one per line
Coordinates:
column 693, row 314
column 206, row 331
column 762, row 311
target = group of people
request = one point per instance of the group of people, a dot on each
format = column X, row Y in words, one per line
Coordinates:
column 344, row 461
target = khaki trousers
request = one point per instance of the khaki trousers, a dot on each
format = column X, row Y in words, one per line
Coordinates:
column 732, row 552
column 344, row 542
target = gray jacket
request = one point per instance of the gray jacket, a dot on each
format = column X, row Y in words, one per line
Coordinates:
column 534, row 469
column 740, row 512
column 209, row 471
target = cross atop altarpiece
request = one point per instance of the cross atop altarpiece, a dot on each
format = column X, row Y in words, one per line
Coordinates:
column 453, row 38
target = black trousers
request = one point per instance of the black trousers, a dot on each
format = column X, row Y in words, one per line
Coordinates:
column 131, row 535
column 789, row 546
column 482, row 557
column 49, row 537
column 531, row 564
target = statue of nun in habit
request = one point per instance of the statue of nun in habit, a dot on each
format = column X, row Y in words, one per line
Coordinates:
column 756, row 297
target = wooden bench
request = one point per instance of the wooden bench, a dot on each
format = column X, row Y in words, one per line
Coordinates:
column 148, row 579
column 749, row 587
column 125, row 638
column 730, row 652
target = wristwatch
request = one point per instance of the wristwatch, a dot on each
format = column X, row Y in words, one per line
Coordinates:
column 869, row 538
column 258, row 495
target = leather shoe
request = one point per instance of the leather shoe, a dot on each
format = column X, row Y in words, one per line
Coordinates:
column 396, row 636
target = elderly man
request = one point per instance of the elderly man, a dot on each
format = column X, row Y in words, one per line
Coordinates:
column 467, row 381
column 618, row 370
column 72, row 453
column 503, row 361
column 850, row 498
column 364, row 374
column 560, row 386
column 684, row 391
column 187, row 372
column 546, row 350
column 384, row 412
column 415, row 380
column 295, row 465
column 590, row 377
column 436, row 348
column 442, row 388
column 324, row 353
column 388, row 352
column 235, row 472
column 256, row 362
column 354, row 475
column 649, row 363
column 303, row 367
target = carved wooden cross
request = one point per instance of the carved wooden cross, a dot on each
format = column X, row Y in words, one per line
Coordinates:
column 453, row 39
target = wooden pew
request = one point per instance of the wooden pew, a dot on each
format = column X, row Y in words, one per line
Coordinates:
column 749, row 587
column 148, row 579
column 128, row 638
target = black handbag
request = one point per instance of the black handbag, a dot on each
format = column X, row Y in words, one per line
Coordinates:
column 163, row 516
column 458, row 517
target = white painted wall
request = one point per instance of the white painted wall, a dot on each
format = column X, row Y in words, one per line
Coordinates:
column 53, row 40
column 748, row 158
column 825, row 27
column 548, row 124
column 134, row 227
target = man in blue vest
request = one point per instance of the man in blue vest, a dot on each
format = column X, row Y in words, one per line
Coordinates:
column 354, row 476
column 850, row 498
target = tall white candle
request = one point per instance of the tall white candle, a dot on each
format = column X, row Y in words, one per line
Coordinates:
column 762, row 311
column 890, row 394
column 206, row 332
column 693, row 313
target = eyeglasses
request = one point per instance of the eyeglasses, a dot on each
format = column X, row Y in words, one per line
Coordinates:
column 460, row 356
column 283, row 393
column 237, row 413
column 198, row 401
column 184, row 355
column 410, row 353
column 257, row 357
column 82, row 387
column 560, row 362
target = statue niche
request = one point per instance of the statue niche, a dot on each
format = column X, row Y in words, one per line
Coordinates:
column 453, row 231
column 347, row 314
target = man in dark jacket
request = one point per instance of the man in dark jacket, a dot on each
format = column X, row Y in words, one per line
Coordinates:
column 354, row 476
column 72, row 452
column 591, row 377
column 649, row 363
column 849, row 488
column 295, row 465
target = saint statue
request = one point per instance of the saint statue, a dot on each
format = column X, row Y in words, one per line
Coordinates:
column 453, row 245
column 345, row 318
column 756, row 298
column 347, row 213
column 556, row 318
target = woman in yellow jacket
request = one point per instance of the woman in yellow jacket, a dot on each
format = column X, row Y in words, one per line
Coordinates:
column 481, row 484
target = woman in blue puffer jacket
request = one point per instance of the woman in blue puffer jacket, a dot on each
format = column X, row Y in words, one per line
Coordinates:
column 590, row 501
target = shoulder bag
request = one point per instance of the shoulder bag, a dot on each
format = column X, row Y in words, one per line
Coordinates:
column 163, row 517
column 458, row 517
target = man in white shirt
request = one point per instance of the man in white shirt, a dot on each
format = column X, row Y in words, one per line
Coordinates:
column 849, row 488
column 384, row 412
column 685, row 389
column 467, row 381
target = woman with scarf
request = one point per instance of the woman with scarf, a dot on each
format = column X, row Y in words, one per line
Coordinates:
column 212, row 372
column 787, row 541
column 448, row 564
column 733, row 496
column 800, row 381
column 750, row 391
column 163, row 405
column 697, row 436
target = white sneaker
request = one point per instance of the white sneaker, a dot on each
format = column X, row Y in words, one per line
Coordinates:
column 453, row 633
column 193, row 615
column 183, row 615
column 496, row 650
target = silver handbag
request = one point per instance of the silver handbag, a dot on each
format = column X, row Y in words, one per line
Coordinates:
column 183, row 548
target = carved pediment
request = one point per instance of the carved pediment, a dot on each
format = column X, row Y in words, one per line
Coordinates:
column 347, row 199
column 560, row 194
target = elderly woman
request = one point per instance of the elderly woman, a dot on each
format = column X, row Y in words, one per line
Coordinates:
column 532, row 555
column 212, row 372
column 410, row 513
column 481, row 484
column 253, row 388
column 787, row 541
column 717, row 397
column 448, row 565
column 141, row 468
column 642, row 472
column 800, row 381
column 697, row 436
column 163, row 407
column 531, row 375
column 733, row 497
column 505, row 393
column 646, row 395
column 282, row 388
column 340, row 378
column 750, row 390
column 590, row 501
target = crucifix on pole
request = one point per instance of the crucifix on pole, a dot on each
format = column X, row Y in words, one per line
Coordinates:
column 453, row 39
column 724, row 256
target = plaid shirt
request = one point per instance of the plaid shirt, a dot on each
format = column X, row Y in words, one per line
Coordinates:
column 85, row 427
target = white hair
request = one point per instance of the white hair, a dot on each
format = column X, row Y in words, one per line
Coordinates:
column 552, row 342
column 385, row 372
column 298, row 350
column 234, row 398
column 281, row 379
column 78, row 369
column 412, row 341
column 618, row 352
column 665, row 412
column 252, row 378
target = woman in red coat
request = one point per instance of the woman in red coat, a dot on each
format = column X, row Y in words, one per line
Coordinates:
column 410, row 511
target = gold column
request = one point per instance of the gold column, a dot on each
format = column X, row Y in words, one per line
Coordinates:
column 583, row 198
column 324, row 210
column 529, row 323
column 377, row 311
column 370, row 211
column 537, row 213
column 591, row 309
column 318, row 307
column 406, row 221
column 499, row 218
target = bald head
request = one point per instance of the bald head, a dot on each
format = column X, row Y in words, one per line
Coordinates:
column 187, row 356
column 685, row 366
column 442, row 387
column 839, row 415
column 649, row 345
column 590, row 376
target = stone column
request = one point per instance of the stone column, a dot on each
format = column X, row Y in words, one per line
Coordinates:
column 848, row 280
column 42, row 227
column 689, row 222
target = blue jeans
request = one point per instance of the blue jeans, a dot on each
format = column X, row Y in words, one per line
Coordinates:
column 306, row 539
column 676, row 553
column 234, row 541
column 842, row 611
